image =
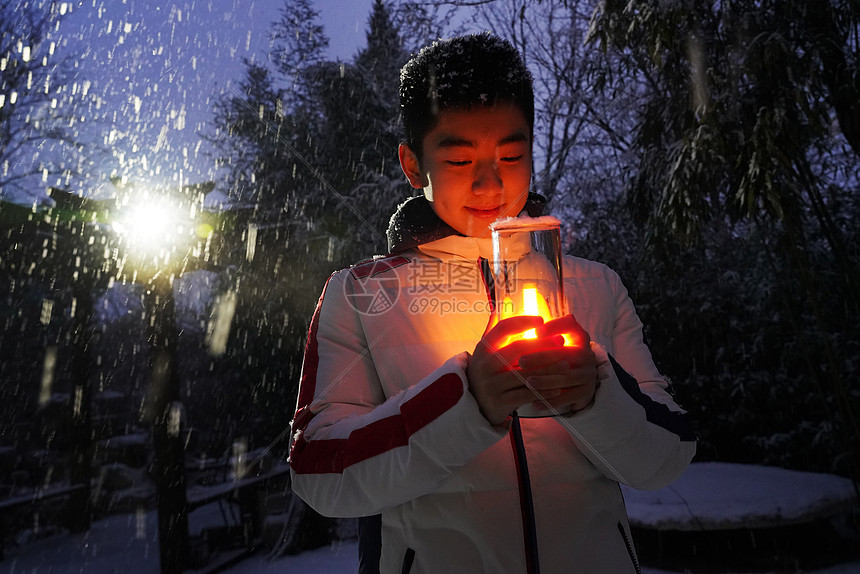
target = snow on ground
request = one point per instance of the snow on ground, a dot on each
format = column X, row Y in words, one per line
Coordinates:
column 109, row 550
column 343, row 559
column 716, row 495
column 128, row 544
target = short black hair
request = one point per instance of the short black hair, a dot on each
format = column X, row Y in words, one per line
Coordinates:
column 461, row 73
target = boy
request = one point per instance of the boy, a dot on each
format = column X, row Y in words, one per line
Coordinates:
column 407, row 402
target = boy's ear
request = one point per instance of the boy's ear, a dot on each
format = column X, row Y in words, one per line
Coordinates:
column 411, row 166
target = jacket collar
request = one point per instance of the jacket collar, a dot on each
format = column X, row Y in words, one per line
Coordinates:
column 415, row 223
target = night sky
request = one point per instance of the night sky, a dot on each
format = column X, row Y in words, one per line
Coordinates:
column 156, row 68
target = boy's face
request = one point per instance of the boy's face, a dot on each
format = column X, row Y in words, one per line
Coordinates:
column 476, row 166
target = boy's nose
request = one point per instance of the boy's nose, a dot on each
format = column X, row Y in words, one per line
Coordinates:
column 486, row 178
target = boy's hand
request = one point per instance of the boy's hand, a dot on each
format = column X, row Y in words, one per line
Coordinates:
column 499, row 385
column 571, row 370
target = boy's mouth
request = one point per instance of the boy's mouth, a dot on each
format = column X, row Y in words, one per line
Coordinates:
column 486, row 213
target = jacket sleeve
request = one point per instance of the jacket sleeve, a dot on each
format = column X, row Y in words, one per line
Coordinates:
column 634, row 432
column 354, row 452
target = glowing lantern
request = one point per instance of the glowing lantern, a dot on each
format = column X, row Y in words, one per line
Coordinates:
column 527, row 270
column 527, row 273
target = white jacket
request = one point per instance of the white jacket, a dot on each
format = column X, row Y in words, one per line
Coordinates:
column 385, row 422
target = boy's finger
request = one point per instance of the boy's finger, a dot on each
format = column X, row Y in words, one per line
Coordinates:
column 511, row 326
column 566, row 325
column 545, row 368
column 543, row 357
column 551, row 382
column 513, row 352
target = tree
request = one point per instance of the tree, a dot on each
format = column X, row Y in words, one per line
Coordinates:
column 738, row 124
column 266, row 129
column 35, row 99
column 247, row 138
column 421, row 23
column 298, row 44
column 359, row 133
column 579, row 134
column 319, row 138
column 310, row 151
column 750, row 87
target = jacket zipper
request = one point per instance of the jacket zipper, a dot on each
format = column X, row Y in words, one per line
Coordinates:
column 489, row 282
column 526, row 502
column 630, row 550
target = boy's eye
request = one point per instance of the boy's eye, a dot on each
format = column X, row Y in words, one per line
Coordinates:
column 511, row 158
column 458, row 163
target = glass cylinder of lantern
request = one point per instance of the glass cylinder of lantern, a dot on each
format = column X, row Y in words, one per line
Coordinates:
column 527, row 271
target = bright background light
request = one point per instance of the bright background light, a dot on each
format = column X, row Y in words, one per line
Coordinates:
column 149, row 224
column 152, row 226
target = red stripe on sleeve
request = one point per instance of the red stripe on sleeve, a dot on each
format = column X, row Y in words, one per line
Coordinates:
column 308, row 383
column 335, row 455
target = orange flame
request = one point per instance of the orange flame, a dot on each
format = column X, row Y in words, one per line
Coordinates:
column 533, row 304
